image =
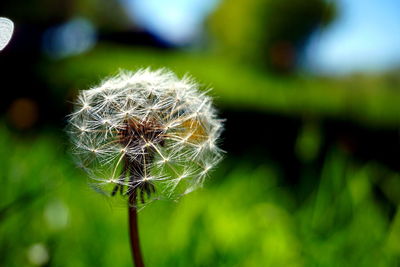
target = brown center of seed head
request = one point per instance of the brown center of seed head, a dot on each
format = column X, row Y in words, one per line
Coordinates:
column 138, row 133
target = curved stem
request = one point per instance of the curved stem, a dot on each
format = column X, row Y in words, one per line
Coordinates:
column 133, row 231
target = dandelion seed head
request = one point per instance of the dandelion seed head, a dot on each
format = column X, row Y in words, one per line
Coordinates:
column 149, row 132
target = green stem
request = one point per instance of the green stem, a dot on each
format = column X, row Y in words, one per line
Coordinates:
column 133, row 231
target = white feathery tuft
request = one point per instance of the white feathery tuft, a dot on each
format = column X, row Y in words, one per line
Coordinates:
column 146, row 132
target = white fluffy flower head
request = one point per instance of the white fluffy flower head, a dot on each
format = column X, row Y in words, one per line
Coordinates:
column 146, row 133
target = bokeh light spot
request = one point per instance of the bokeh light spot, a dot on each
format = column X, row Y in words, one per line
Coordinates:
column 23, row 113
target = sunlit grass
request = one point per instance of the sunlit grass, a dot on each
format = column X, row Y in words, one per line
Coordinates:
column 245, row 216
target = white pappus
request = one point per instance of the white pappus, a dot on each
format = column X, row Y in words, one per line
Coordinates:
column 146, row 133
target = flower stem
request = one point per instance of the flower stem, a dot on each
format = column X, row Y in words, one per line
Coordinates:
column 133, row 231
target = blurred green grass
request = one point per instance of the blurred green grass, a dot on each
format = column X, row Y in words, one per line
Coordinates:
column 245, row 216
column 368, row 100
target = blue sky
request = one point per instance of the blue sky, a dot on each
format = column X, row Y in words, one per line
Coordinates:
column 175, row 21
column 365, row 36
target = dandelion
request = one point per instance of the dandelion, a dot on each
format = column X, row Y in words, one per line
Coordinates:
column 147, row 135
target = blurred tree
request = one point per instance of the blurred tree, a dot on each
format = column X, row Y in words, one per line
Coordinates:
column 268, row 33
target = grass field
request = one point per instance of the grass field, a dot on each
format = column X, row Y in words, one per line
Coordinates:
column 250, row 213
column 245, row 216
